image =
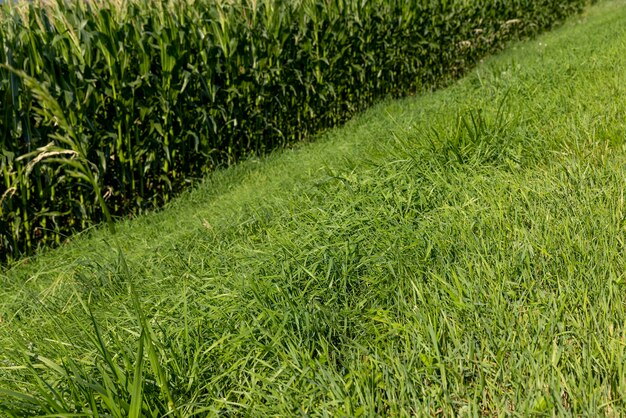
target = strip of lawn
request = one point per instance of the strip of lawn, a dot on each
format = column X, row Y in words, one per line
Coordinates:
column 460, row 252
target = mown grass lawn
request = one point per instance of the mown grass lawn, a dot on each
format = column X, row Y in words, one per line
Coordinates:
column 457, row 253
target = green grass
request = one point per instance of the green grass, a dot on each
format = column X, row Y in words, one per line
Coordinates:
column 457, row 253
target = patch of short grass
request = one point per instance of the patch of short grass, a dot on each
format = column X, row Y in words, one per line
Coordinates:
column 457, row 253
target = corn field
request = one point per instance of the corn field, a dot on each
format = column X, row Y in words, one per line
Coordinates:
column 128, row 102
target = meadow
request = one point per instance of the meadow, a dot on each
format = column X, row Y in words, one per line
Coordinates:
column 456, row 253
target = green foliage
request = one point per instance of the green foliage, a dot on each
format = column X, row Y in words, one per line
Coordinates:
column 157, row 95
column 459, row 253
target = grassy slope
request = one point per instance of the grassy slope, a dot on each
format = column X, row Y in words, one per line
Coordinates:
column 461, row 252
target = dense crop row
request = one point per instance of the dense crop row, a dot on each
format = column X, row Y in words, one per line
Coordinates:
column 132, row 101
